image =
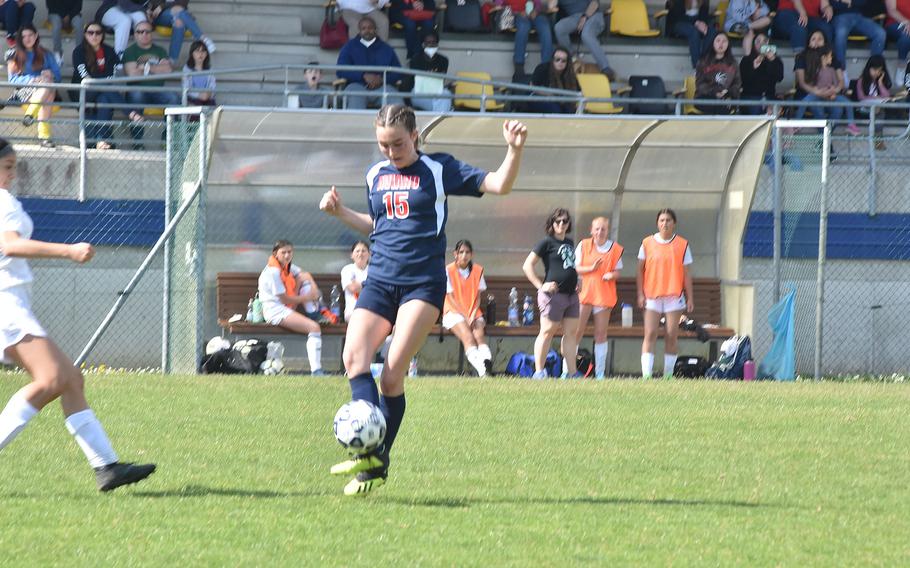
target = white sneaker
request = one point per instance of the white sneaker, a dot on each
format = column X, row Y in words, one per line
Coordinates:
column 540, row 374
column 209, row 44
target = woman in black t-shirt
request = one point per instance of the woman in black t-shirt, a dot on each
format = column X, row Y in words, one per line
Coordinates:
column 557, row 294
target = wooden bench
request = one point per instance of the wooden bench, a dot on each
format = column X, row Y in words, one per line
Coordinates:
column 234, row 290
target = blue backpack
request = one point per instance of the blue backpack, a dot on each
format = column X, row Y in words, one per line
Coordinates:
column 522, row 364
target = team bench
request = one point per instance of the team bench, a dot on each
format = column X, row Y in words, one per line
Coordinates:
column 234, row 289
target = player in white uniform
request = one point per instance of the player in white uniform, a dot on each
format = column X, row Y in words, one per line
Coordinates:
column 24, row 342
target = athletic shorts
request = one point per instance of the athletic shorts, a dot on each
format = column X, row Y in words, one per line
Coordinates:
column 666, row 304
column 557, row 306
column 16, row 318
column 452, row 319
column 385, row 299
column 597, row 309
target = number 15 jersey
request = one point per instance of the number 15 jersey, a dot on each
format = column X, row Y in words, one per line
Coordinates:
column 409, row 211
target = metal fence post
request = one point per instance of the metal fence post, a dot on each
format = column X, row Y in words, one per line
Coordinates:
column 776, row 201
column 83, row 146
column 822, row 244
column 200, row 235
column 873, row 170
column 166, row 269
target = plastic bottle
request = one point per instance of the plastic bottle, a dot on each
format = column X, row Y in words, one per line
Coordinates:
column 275, row 350
column 491, row 309
column 257, row 310
column 335, row 307
column 626, row 315
column 249, row 310
column 513, row 308
column 749, row 370
column 412, row 368
column 528, row 311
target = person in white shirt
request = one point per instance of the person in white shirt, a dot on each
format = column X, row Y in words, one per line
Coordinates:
column 282, row 287
column 352, row 11
column 353, row 276
column 23, row 341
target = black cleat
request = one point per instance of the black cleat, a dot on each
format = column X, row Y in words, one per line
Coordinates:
column 488, row 365
column 114, row 475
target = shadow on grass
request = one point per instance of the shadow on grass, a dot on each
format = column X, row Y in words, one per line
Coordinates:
column 202, row 491
column 465, row 502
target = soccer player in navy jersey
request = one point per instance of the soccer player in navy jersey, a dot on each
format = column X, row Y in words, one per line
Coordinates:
column 406, row 287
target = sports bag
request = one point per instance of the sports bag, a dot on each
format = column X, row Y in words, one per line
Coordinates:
column 734, row 353
column 690, row 366
column 334, row 32
column 520, row 364
column 464, row 16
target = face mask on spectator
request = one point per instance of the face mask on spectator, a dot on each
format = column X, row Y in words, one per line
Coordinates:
column 367, row 43
column 430, row 51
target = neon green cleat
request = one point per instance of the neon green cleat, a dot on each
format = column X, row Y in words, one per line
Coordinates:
column 364, row 482
column 357, row 464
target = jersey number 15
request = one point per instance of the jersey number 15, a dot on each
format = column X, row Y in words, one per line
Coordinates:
column 396, row 204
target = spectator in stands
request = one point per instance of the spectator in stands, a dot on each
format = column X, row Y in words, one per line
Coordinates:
column 63, row 15
column 176, row 16
column 690, row 20
column 598, row 261
column 353, row 275
column 462, row 314
column 796, row 19
column 200, row 88
column 556, row 74
column 664, row 285
column 311, row 78
column 849, row 17
column 584, row 17
column 417, row 17
column 816, row 40
column 528, row 14
column 282, row 287
column 30, row 65
column 873, row 88
column 352, row 11
column 557, row 298
column 823, row 81
column 95, row 59
column 367, row 50
column 144, row 59
column 897, row 26
column 761, row 70
column 430, row 60
column 746, row 17
column 121, row 16
column 717, row 76
column 16, row 14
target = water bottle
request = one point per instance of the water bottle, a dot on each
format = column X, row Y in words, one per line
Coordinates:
column 249, row 310
column 491, row 309
column 626, row 315
column 412, row 367
column 275, row 350
column 749, row 370
column 528, row 311
column 336, row 301
column 513, row 308
column 257, row 310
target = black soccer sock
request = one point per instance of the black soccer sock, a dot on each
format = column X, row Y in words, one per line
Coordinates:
column 393, row 409
column 363, row 387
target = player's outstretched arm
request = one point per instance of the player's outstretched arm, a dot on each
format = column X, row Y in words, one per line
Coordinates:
column 12, row 244
column 500, row 182
column 331, row 204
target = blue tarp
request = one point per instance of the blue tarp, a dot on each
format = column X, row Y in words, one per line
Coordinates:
column 780, row 362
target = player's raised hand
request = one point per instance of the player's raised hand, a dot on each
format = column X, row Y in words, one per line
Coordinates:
column 515, row 133
column 330, row 202
column 81, row 252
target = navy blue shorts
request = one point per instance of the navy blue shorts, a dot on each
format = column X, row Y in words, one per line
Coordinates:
column 385, row 299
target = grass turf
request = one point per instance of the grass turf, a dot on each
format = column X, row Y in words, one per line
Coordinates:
column 485, row 472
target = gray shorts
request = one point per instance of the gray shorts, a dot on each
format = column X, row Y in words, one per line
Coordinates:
column 557, row 306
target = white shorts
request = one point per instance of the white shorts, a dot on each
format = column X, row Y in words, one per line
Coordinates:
column 16, row 318
column 451, row 319
column 666, row 304
column 276, row 315
column 597, row 309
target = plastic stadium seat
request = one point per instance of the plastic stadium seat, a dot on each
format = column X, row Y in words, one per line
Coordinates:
column 166, row 31
column 153, row 112
column 688, row 92
column 630, row 18
column 597, row 86
column 648, row 87
column 476, row 89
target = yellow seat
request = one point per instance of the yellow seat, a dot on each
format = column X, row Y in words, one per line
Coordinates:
column 54, row 110
column 166, row 31
column 688, row 92
column 153, row 112
column 466, row 88
column 597, row 86
column 630, row 18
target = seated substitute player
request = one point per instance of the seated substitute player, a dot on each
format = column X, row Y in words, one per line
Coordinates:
column 278, row 305
column 598, row 261
column 406, row 200
column 354, row 275
column 23, row 341
column 461, row 313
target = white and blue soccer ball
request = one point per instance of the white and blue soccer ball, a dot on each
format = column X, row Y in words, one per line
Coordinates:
column 272, row 367
column 359, row 426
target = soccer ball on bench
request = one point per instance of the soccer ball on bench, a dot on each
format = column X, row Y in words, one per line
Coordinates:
column 359, row 426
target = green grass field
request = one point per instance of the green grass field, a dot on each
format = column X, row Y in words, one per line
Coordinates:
column 485, row 472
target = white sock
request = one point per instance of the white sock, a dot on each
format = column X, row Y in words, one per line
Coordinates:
column 314, row 350
column 647, row 364
column 669, row 363
column 91, row 438
column 485, row 351
column 600, row 358
column 472, row 354
column 14, row 417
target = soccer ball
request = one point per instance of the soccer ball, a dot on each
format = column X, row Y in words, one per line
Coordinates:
column 359, row 426
column 244, row 346
column 217, row 344
column 272, row 367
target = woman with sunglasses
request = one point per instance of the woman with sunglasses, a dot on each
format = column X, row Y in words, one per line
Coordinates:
column 557, row 294
column 96, row 60
column 555, row 74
